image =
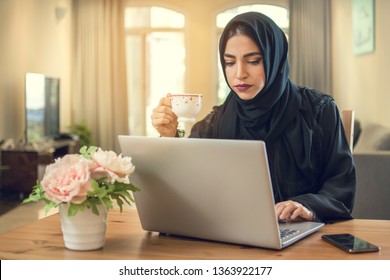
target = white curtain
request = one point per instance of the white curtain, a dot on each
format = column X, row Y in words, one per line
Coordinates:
column 99, row 97
column 310, row 45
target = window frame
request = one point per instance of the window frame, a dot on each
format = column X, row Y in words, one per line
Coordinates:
column 143, row 33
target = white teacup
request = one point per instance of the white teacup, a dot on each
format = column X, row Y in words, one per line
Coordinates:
column 186, row 106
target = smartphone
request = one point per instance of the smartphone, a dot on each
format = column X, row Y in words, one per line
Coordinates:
column 350, row 243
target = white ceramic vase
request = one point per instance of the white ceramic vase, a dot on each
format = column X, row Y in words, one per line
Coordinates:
column 85, row 230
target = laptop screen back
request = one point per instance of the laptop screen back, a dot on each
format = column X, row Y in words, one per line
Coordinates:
column 204, row 188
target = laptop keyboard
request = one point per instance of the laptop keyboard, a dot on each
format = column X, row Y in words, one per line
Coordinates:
column 286, row 233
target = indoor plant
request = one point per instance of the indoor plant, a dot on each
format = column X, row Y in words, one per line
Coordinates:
column 87, row 179
column 83, row 132
column 85, row 184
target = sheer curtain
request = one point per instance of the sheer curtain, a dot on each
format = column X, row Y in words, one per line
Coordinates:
column 310, row 45
column 99, row 97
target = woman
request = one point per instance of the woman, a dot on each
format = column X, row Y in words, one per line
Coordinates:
column 311, row 165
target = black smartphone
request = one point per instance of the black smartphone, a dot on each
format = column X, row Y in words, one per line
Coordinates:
column 350, row 243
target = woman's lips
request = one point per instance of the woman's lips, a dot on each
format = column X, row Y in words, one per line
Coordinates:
column 243, row 87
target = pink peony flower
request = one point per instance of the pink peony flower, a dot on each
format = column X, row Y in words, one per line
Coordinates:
column 111, row 166
column 67, row 179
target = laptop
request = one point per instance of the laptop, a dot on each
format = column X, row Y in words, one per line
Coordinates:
column 209, row 189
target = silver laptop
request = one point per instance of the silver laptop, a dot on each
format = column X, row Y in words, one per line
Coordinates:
column 209, row 189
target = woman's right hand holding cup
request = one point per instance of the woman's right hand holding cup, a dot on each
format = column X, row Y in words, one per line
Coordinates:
column 163, row 119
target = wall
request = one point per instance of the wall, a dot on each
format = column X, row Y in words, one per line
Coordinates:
column 361, row 82
column 32, row 39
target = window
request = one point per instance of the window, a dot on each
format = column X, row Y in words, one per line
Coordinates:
column 155, row 59
column 278, row 14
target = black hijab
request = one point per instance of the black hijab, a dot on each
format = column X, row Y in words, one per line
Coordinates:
column 268, row 114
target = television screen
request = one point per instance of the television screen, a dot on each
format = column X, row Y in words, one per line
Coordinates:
column 42, row 107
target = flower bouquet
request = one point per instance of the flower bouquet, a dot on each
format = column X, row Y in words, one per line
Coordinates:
column 86, row 180
column 85, row 184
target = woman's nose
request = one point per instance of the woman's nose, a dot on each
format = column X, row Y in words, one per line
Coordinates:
column 241, row 71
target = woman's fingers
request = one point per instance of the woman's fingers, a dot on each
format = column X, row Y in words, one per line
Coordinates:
column 292, row 211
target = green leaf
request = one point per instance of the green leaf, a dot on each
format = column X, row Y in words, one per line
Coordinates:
column 74, row 208
column 37, row 194
column 50, row 205
column 120, row 203
column 87, row 152
column 107, row 202
column 83, row 150
column 94, row 209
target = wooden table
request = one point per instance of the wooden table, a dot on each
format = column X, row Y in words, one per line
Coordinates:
column 126, row 240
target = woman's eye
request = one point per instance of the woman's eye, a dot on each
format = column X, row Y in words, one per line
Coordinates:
column 229, row 63
column 255, row 61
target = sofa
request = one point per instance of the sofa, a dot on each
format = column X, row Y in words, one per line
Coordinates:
column 372, row 159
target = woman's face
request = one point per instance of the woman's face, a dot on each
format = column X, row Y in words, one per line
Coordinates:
column 244, row 66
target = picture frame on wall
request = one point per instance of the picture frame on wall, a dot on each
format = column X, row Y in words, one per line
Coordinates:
column 363, row 25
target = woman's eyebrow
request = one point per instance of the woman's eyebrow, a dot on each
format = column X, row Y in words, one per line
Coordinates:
column 229, row 55
column 252, row 54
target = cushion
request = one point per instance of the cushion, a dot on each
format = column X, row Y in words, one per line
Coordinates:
column 373, row 137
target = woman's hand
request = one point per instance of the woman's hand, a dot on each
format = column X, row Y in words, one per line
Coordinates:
column 292, row 211
column 163, row 119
